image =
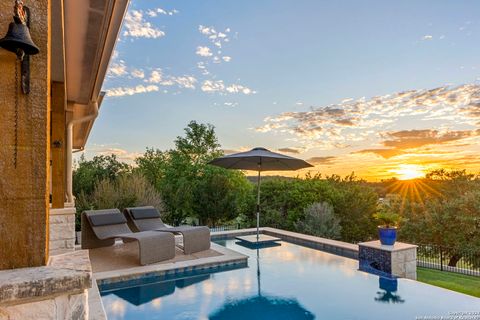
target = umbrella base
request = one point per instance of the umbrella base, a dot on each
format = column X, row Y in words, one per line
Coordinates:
column 262, row 239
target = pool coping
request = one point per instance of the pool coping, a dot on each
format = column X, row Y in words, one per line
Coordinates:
column 344, row 249
column 228, row 258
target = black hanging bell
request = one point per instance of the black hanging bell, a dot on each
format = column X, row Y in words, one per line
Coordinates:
column 18, row 40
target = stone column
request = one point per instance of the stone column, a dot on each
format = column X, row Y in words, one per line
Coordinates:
column 23, row 190
column 62, row 230
column 399, row 260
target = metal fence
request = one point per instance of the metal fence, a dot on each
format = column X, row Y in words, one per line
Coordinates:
column 449, row 259
column 224, row 228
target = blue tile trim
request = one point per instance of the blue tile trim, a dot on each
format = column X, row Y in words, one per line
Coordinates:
column 106, row 285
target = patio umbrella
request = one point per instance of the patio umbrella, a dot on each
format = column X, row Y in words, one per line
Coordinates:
column 260, row 159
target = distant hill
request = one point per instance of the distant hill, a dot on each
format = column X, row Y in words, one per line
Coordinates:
column 253, row 179
column 381, row 187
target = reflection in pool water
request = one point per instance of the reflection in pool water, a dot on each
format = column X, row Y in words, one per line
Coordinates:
column 388, row 287
column 266, row 307
column 148, row 292
column 262, row 307
column 312, row 284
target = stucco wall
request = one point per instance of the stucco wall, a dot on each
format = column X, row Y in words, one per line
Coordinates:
column 23, row 190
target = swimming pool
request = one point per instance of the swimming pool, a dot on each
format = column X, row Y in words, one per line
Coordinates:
column 287, row 282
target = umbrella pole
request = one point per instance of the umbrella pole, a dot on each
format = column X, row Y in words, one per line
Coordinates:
column 258, row 201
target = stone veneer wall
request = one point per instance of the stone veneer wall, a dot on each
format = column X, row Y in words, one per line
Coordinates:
column 72, row 306
column 399, row 260
column 62, row 230
column 57, row 291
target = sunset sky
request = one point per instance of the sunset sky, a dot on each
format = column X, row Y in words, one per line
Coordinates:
column 382, row 88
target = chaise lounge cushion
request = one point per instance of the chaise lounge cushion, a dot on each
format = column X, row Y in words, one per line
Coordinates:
column 144, row 213
column 108, row 217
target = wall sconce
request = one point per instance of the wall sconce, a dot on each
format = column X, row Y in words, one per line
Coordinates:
column 19, row 41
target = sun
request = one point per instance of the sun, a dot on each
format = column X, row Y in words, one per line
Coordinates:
column 409, row 171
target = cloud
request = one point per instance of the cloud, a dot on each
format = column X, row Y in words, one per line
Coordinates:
column 122, row 154
column 185, row 81
column 402, row 142
column 203, row 68
column 109, row 149
column 290, row 150
column 138, row 73
column 156, row 11
column 213, row 55
column 213, row 86
column 427, row 37
column 237, row 88
column 385, row 153
column 219, row 86
column 241, row 149
column 117, row 69
column 156, row 76
column 356, row 121
column 321, row 160
column 130, row 91
column 136, row 26
column 217, row 39
column 206, row 30
column 408, row 139
column 204, row 51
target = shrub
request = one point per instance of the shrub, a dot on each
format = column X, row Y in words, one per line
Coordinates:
column 129, row 190
column 320, row 221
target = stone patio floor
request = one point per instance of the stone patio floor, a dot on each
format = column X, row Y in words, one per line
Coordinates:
column 125, row 255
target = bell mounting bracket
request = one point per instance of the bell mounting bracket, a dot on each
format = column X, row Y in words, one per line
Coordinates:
column 25, row 60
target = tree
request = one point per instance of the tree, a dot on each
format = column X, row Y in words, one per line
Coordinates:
column 448, row 217
column 320, row 221
column 354, row 203
column 199, row 145
column 151, row 165
column 89, row 172
column 190, row 187
column 220, row 195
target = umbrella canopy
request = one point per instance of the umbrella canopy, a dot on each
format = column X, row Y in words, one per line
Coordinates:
column 260, row 159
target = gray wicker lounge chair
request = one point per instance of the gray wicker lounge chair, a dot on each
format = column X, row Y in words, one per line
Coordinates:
column 195, row 239
column 100, row 228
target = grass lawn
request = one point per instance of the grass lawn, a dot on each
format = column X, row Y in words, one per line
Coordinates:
column 453, row 281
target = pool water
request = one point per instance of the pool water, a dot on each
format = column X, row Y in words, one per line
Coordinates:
column 287, row 282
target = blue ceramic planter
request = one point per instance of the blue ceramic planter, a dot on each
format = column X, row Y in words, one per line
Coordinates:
column 387, row 236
